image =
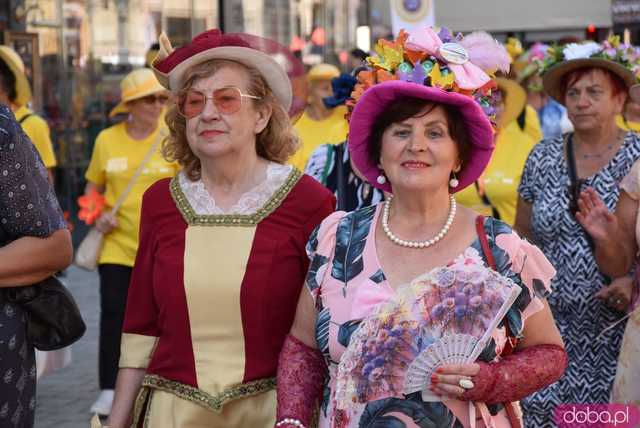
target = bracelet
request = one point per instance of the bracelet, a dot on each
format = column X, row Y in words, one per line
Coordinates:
column 294, row 422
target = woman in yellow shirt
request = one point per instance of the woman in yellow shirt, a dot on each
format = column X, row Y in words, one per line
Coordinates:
column 319, row 124
column 496, row 191
column 118, row 152
column 15, row 92
column 630, row 120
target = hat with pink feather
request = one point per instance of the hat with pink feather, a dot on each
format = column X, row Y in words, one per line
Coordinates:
column 437, row 67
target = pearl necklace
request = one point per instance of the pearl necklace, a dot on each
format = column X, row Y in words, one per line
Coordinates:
column 417, row 244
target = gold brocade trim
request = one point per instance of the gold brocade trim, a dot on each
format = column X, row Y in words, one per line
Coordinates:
column 272, row 203
column 208, row 401
column 141, row 407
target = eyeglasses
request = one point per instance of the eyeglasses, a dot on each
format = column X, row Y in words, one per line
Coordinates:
column 152, row 99
column 227, row 100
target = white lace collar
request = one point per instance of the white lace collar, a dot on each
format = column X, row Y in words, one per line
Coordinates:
column 203, row 203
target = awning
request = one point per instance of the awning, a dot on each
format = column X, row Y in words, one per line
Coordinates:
column 522, row 15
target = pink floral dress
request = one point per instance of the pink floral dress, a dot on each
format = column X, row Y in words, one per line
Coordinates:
column 349, row 286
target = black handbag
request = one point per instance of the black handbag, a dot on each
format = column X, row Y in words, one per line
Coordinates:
column 53, row 317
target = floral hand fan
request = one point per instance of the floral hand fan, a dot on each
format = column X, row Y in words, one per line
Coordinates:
column 443, row 317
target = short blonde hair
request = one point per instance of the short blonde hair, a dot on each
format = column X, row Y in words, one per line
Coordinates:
column 277, row 141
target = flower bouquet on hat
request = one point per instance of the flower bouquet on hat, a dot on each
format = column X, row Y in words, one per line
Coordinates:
column 445, row 316
column 463, row 64
column 619, row 58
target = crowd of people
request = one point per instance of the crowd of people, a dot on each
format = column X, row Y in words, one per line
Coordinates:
column 444, row 236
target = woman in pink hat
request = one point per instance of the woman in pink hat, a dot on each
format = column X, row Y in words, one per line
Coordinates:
column 418, row 312
column 222, row 255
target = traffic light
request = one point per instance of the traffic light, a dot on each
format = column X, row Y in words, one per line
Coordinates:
column 591, row 33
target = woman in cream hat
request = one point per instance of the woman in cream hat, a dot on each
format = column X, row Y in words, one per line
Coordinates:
column 222, row 245
column 118, row 152
column 592, row 81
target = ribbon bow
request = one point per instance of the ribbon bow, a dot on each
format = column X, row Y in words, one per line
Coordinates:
column 467, row 75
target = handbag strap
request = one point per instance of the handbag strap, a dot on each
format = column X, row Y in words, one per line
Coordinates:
column 511, row 409
column 575, row 185
column 571, row 161
column 512, row 341
column 341, row 199
column 484, row 242
column 136, row 175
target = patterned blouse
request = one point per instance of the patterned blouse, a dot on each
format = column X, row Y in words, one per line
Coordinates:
column 323, row 167
column 28, row 207
column 579, row 315
column 350, row 288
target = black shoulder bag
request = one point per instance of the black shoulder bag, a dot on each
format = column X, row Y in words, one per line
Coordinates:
column 53, row 317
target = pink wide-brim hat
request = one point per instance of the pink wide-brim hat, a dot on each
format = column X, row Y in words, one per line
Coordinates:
column 378, row 97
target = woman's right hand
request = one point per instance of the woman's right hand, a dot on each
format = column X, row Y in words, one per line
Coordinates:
column 595, row 217
column 106, row 223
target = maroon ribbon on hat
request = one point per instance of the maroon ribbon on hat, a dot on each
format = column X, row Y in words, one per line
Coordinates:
column 202, row 42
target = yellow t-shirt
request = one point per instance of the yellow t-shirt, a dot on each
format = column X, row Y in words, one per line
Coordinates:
column 501, row 178
column 38, row 131
column 116, row 157
column 627, row 125
column 532, row 124
column 314, row 133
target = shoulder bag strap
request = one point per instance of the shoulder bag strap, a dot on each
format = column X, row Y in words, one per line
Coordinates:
column 25, row 117
column 484, row 242
column 574, row 189
column 512, row 409
column 136, row 175
column 340, row 187
column 488, row 255
column 571, row 161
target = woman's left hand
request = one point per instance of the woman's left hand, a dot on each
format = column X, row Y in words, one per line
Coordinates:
column 446, row 380
column 617, row 295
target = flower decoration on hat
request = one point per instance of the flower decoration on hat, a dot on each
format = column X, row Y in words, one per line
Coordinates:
column 529, row 63
column 514, row 48
column 91, row 206
column 611, row 49
column 463, row 64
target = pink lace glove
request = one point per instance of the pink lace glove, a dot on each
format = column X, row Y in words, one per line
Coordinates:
column 301, row 374
column 518, row 375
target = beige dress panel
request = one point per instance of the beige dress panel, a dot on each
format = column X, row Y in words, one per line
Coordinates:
column 169, row 411
column 626, row 387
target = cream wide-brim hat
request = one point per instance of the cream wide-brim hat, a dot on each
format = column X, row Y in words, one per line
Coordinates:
column 137, row 84
column 552, row 79
column 171, row 65
column 15, row 64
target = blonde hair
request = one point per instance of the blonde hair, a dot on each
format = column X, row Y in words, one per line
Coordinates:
column 277, row 141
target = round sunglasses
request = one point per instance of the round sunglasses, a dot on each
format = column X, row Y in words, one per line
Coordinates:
column 152, row 99
column 227, row 100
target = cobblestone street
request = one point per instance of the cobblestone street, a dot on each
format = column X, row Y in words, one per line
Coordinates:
column 64, row 397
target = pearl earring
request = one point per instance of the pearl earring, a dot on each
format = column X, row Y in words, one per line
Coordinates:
column 381, row 179
column 453, row 183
